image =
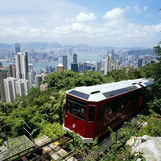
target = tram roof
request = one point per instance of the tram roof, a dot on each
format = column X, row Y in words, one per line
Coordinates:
column 100, row 92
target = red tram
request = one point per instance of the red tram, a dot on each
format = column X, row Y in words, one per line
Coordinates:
column 91, row 110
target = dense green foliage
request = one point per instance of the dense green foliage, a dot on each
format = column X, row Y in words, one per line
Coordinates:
column 125, row 74
column 72, row 79
column 43, row 111
column 92, row 152
column 38, row 109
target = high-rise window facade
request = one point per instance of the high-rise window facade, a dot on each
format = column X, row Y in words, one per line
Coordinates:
column 74, row 58
column 108, row 60
column 17, row 48
column 64, row 61
column 22, row 65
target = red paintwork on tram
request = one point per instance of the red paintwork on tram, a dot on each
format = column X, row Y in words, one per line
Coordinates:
column 103, row 112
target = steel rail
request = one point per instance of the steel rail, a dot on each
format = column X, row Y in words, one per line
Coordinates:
column 67, row 138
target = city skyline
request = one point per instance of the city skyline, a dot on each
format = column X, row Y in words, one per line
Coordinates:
column 90, row 22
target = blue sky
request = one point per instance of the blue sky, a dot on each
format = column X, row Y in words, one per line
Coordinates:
column 118, row 23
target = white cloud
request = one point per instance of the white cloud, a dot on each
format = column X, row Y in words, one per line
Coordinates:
column 72, row 29
column 70, row 20
column 137, row 9
column 61, row 21
column 116, row 13
column 78, row 27
column 82, row 17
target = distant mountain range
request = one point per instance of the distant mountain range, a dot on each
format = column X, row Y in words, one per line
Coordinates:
column 41, row 45
column 142, row 52
column 3, row 45
column 48, row 45
column 32, row 45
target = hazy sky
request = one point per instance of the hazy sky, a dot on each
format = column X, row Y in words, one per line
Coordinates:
column 120, row 23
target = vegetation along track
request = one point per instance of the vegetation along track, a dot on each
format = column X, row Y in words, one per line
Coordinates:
column 37, row 154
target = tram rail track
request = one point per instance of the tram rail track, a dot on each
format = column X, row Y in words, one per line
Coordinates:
column 124, row 139
column 34, row 154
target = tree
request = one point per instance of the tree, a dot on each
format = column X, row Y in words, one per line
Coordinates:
column 72, row 79
column 125, row 74
column 53, row 109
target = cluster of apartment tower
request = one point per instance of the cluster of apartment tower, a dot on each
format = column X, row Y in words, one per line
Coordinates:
column 19, row 79
column 103, row 66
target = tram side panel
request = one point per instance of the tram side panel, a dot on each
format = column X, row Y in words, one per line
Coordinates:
column 113, row 112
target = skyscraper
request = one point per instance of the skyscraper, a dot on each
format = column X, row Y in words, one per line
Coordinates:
column 1, row 65
column 3, row 75
column 17, row 48
column 85, row 66
column 140, row 61
column 9, row 87
column 81, row 67
column 31, row 78
column 98, row 66
column 108, row 60
column 12, row 70
column 21, row 87
column 74, row 58
column 113, row 55
column 74, row 67
column 64, row 61
column 38, row 80
column 22, row 65
column 30, row 66
column 106, row 64
column 116, row 64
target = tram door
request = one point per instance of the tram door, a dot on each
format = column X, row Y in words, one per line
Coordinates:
column 90, row 125
column 99, row 121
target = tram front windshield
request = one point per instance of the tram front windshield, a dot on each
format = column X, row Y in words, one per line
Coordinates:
column 76, row 107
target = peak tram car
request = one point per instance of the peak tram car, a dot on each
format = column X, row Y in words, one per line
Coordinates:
column 91, row 110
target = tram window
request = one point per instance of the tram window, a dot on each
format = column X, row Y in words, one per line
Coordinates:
column 108, row 110
column 91, row 113
column 76, row 109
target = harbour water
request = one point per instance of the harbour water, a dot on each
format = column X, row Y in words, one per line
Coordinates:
column 81, row 57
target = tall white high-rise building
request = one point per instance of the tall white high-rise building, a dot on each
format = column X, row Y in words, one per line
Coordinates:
column 9, row 87
column 108, row 60
column 30, row 66
column 64, row 61
column 106, row 64
column 22, row 87
column 38, row 80
column 116, row 67
column 3, row 75
column 22, row 65
column 98, row 66
column 31, row 78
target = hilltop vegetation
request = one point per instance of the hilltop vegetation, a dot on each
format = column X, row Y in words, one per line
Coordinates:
column 41, row 108
column 43, row 111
